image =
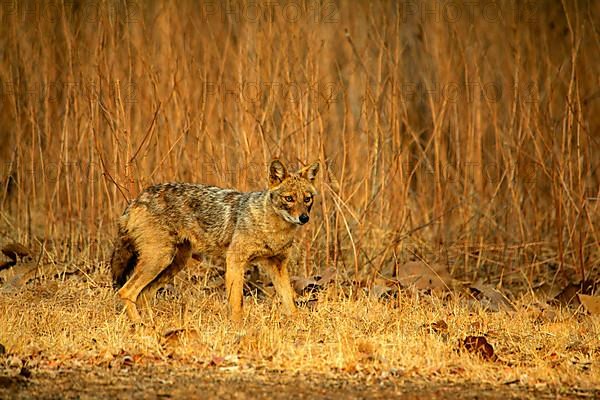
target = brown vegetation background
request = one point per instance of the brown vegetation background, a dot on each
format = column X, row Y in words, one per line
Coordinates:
column 464, row 133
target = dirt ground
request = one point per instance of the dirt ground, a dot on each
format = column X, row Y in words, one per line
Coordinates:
column 163, row 382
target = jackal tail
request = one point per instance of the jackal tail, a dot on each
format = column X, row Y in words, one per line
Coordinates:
column 123, row 260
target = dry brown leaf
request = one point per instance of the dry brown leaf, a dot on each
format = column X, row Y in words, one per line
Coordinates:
column 491, row 298
column 6, row 262
column 303, row 285
column 15, row 250
column 590, row 303
column 568, row 296
column 19, row 275
column 479, row 346
column 229, row 362
column 440, row 327
column 127, row 361
column 423, row 276
column 21, row 264
column 216, row 361
column 177, row 336
column 327, row 276
column 366, row 348
column 379, row 290
column 312, row 284
column 388, row 271
column 181, row 342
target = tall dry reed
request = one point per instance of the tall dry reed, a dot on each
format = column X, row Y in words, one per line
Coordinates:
column 459, row 132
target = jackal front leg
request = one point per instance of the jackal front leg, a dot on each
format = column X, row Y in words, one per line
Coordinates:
column 234, row 283
column 278, row 271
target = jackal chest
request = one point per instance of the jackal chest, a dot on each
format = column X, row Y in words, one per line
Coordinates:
column 274, row 247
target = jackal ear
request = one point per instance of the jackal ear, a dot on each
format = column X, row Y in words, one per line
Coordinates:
column 310, row 172
column 277, row 173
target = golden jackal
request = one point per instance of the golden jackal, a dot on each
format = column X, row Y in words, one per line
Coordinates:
column 167, row 223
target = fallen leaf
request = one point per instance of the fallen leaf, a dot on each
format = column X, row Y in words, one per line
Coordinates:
column 182, row 342
column 229, row 362
column 326, row 277
column 590, row 303
column 383, row 288
column 21, row 274
column 479, row 346
column 423, row 276
column 215, row 361
column 568, row 296
column 476, row 326
column 491, row 298
column 180, row 336
column 553, row 359
column 15, row 250
column 379, row 291
column 303, row 285
column 440, row 327
column 366, row 349
column 127, row 361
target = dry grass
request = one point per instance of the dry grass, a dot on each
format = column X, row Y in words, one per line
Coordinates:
column 467, row 140
column 74, row 323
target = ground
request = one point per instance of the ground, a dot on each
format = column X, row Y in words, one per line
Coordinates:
column 166, row 382
column 67, row 337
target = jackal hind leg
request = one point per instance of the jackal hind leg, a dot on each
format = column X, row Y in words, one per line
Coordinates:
column 183, row 252
column 278, row 272
column 153, row 260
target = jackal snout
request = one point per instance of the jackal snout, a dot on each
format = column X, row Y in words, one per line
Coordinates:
column 303, row 218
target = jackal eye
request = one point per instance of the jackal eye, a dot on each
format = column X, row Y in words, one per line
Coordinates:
column 307, row 199
column 289, row 199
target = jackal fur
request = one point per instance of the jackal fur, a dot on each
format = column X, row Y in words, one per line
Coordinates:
column 168, row 223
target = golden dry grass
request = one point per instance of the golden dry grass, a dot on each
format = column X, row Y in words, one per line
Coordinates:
column 467, row 139
column 75, row 323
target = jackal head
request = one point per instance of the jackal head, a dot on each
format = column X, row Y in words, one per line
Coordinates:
column 292, row 193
